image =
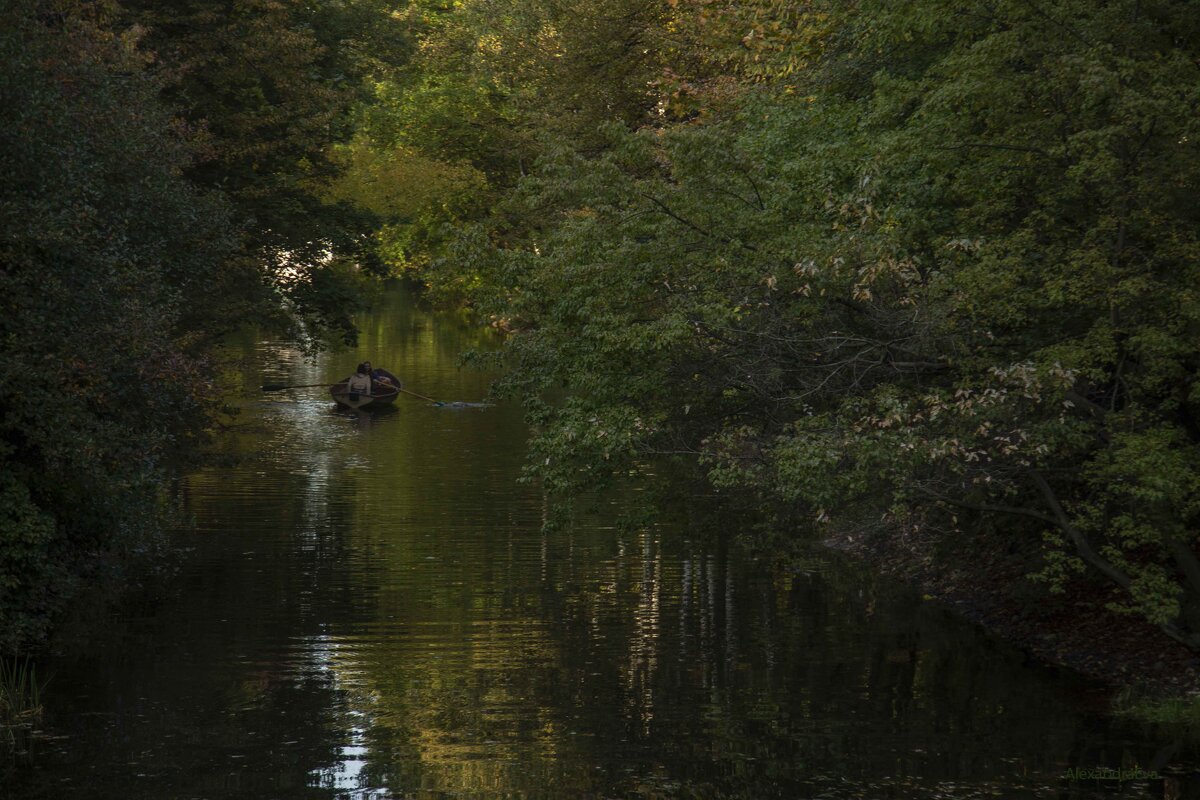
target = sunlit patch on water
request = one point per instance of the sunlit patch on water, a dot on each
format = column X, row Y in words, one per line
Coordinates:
column 346, row 775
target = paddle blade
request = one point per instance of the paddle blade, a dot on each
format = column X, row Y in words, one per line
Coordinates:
column 275, row 387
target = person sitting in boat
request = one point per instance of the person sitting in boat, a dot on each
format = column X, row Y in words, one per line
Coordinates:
column 360, row 381
column 381, row 376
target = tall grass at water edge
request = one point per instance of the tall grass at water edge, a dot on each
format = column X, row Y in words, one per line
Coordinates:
column 20, row 698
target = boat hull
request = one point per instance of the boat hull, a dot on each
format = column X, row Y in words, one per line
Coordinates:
column 380, row 397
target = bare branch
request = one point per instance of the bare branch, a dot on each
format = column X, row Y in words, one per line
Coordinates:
column 688, row 223
column 987, row 507
column 1082, row 546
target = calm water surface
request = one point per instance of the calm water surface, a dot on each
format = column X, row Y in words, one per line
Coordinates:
column 371, row 610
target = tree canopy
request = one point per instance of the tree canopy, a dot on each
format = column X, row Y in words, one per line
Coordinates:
column 932, row 262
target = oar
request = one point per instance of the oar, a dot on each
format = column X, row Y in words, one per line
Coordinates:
column 423, row 397
column 278, row 387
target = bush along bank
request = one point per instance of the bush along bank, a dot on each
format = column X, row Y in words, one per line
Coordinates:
column 145, row 212
column 1152, row 676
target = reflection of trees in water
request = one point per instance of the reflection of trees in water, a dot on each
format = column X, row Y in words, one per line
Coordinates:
column 745, row 679
column 644, row 644
column 346, row 771
column 424, row 349
column 373, row 605
column 469, row 652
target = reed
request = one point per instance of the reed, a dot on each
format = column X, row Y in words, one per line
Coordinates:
column 1147, row 707
column 20, row 697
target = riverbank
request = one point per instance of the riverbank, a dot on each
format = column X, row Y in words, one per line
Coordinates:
column 1074, row 629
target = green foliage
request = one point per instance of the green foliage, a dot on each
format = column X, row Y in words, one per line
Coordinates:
column 107, row 260
column 32, row 567
column 1178, row 712
column 20, row 699
column 920, row 260
column 489, row 84
column 929, row 259
column 20, row 690
column 268, row 87
column 415, row 196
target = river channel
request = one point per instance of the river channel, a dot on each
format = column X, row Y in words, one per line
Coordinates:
column 370, row 608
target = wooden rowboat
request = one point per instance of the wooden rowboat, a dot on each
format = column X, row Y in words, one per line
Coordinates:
column 380, row 397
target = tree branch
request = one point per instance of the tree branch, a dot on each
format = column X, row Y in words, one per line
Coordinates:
column 1097, row 411
column 1185, row 557
column 688, row 223
column 987, row 507
column 1082, row 546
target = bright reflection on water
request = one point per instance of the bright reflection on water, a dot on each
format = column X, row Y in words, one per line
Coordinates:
column 372, row 610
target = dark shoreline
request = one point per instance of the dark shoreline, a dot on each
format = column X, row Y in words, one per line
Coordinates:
column 1073, row 630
